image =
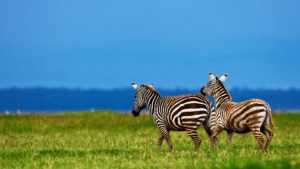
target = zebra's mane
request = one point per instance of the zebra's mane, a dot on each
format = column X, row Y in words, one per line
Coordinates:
column 224, row 88
column 151, row 89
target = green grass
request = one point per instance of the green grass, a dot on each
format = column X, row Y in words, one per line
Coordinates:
column 112, row 140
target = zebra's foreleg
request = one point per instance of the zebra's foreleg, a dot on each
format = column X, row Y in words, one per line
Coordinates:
column 160, row 141
column 214, row 139
column 195, row 137
column 165, row 133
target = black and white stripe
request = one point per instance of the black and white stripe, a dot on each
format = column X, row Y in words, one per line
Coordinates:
column 174, row 113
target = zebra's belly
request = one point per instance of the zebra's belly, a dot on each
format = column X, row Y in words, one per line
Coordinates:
column 177, row 129
column 175, row 124
column 238, row 127
column 181, row 123
column 241, row 131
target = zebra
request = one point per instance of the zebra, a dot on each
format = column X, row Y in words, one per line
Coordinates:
column 252, row 115
column 174, row 113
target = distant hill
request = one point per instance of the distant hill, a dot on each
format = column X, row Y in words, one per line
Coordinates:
column 61, row 99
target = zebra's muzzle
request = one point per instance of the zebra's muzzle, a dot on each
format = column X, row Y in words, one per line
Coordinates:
column 202, row 92
column 135, row 113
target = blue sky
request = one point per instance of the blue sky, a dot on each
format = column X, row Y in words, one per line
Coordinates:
column 108, row 44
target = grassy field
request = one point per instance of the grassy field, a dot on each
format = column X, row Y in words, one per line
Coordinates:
column 113, row 140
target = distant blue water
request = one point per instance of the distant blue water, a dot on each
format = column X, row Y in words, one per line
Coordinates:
column 46, row 100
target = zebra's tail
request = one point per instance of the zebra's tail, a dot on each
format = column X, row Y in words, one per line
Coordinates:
column 270, row 119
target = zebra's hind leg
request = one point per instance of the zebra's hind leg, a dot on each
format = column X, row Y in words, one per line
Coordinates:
column 269, row 134
column 258, row 136
column 195, row 137
column 165, row 133
column 229, row 138
column 160, row 141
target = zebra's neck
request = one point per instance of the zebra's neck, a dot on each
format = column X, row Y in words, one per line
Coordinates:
column 221, row 95
column 151, row 99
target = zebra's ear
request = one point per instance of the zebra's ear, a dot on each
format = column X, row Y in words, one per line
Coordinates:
column 223, row 77
column 134, row 85
column 211, row 76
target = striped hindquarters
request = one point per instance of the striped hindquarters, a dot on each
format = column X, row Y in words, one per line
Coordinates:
column 246, row 115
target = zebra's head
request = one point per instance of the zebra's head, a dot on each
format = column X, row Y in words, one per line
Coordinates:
column 139, row 100
column 214, row 82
